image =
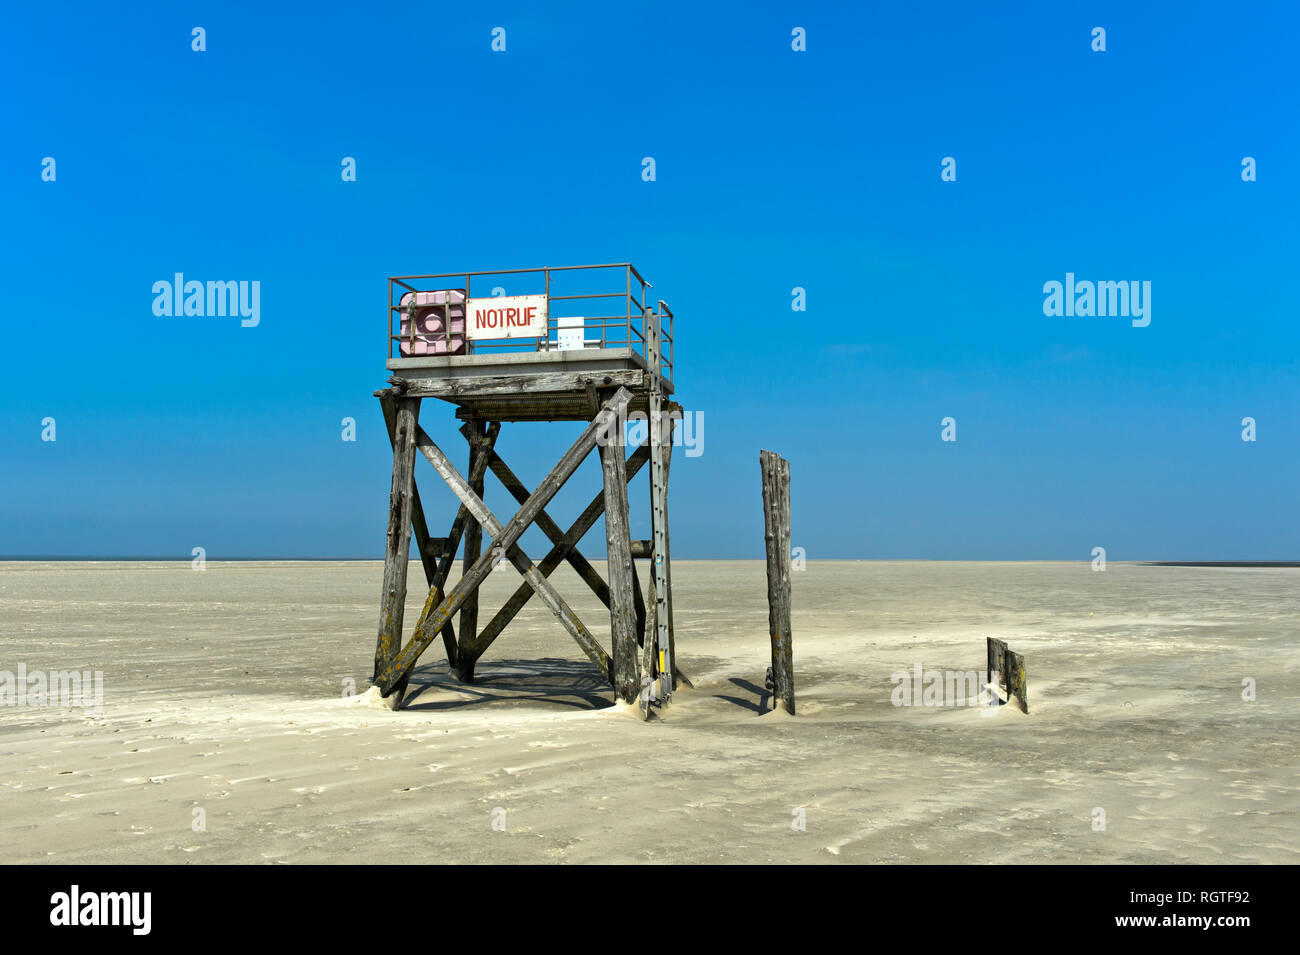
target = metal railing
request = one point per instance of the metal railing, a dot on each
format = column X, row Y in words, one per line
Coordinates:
column 618, row 288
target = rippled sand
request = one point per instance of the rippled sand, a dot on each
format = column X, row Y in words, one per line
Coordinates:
column 224, row 692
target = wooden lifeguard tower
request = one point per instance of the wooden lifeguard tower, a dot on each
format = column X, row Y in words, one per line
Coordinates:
column 530, row 355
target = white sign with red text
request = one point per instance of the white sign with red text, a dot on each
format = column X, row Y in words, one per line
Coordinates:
column 506, row 316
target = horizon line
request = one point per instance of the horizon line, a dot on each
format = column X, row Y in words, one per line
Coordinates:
column 80, row 558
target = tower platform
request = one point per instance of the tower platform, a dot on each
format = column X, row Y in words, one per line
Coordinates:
column 527, row 355
column 527, row 386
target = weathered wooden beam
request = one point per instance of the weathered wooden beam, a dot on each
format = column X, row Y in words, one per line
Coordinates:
column 559, row 382
column 618, row 550
column 996, row 652
column 475, row 433
column 504, row 414
column 540, row 584
column 643, row 548
column 776, row 534
column 538, row 408
column 438, row 611
column 1007, row 672
column 1018, row 680
column 586, row 520
column 397, row 550
column 423, row 542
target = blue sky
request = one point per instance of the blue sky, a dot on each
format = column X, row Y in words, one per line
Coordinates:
column 775, row 169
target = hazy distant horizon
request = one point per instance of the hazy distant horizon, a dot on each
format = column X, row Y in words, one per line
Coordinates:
column 1151, row 561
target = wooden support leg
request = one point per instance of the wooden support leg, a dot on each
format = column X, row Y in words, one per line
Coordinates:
column 776, row 534
column 423, row 542
column 397, row 552
column 437, row 589
column 618, row 548
column 476, row 434
column 435, row 558
column 435, row 568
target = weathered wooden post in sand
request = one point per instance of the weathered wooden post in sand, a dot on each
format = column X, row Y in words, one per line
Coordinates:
column 1007, row 672
column 776, row 533
column 525, row 358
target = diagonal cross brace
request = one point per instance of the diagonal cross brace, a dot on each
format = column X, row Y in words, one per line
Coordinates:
column 586, row 520
column 522, row 563
column 432, row 620
column 580, row 564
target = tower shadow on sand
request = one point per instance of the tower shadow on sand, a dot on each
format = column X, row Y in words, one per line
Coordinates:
column 553, row 681
column 764, row 697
